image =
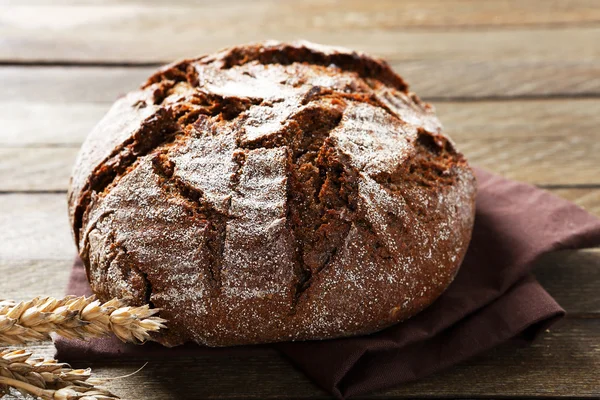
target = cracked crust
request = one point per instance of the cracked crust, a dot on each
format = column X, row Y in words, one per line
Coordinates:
column 272, row 192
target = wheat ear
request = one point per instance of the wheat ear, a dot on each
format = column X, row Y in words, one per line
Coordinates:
column 47, row 379
column 75, row 318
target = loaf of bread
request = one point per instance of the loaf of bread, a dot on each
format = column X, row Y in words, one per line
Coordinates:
column 272, row 192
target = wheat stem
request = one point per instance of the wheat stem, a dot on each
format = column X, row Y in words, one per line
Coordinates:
column 33, row 390
column 47, row 379
column 66, row 393
column 75, row 318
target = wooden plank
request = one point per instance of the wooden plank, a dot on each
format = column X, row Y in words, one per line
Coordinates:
column 386, row 14
column 31, row 278
column 145, row 33
column 572, row 278
column 452, row 79
column 67, row 124
column 568, row 161
column 35, row 169
column 47, row 124
column 541, row 161
column 550, row 118
column 436, row 80
column 563, row 363
column 35, row 227
column 69, row 84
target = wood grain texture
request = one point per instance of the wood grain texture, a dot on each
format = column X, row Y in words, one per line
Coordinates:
column 430, row 79
column 35, row 84
column 563, row 362
column 132, row 33
column 386, row 14
column 31, row 278
column 572, row 278
column 547, row 118
column 48, row 124
column 35, row 227
column 542, row 161
column 566, row 161
column 36, row 169
column 500, row 78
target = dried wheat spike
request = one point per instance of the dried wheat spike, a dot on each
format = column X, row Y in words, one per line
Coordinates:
column 75, row 318
column 47, row 379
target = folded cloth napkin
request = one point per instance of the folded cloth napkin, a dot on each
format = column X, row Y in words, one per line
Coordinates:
column 493, row 298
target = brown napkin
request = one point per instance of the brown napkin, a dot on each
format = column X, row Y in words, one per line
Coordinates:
column 494, row 298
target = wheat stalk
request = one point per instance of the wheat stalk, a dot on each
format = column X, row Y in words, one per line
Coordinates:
column 75, row 318
column 47, row 379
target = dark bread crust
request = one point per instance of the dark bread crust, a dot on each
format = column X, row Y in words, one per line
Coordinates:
column 272, row 192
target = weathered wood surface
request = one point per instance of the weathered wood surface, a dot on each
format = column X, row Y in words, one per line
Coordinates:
column 50, row 124
column 356, row 14
column 34, row 226
column 47, row 124
column 142, row 33
column 28, row 278
column 434, row 80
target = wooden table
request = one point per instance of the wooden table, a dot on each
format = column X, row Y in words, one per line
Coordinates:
column 516, row 84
